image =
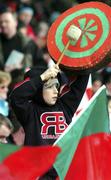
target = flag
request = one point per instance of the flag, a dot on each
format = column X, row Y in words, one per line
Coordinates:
column 25, row 163
column 5, row 174
column 91, row 131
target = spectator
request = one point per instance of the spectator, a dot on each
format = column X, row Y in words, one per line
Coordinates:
column 25, row 15
column 6, row 128
column 5, row 80
column 96, row 82
column 41, row 33
column 42, row 54
column 18, row 134
column 44, row 114
column 14, row 44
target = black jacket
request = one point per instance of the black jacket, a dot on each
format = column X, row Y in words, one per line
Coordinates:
column 43, row 124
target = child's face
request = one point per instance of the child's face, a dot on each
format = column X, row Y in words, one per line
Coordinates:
column 50, row 94
column 4, row 133
column 3, row 90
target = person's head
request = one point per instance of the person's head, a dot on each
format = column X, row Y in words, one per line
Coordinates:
column 42, row 29
column 96, row 82
column 54, row 16
column 51, row 91
column 8, row 24
column 25, row 15
column 6, row 128
column 41, row 34
column 5, row 80
column 96, row 85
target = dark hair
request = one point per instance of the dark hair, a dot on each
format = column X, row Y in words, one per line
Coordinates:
column 38, row 70
column 35, row 71
column 3, row 8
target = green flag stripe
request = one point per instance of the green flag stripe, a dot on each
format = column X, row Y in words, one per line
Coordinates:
column 7, row 149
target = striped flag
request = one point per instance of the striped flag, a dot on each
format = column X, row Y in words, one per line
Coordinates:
column 86, row 143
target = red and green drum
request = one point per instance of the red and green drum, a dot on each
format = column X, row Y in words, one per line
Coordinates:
column 92, row 50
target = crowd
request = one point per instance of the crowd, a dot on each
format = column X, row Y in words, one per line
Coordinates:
column 24, row 25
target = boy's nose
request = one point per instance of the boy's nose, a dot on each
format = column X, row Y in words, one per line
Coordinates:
column 55, row 89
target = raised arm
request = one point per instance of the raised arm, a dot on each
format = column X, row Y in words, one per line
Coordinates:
column 22, row 96
column 72, row 94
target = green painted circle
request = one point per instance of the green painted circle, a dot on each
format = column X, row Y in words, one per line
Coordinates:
column 60, row 29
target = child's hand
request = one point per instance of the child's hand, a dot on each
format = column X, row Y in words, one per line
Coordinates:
column 50, row 73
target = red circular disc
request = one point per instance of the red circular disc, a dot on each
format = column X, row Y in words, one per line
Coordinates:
column 94, row 20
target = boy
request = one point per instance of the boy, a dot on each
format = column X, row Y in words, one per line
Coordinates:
column 43, row 113
column 40, row 108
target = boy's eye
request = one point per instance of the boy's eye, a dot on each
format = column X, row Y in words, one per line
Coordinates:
column 3, row 87
column 50, row 87
column 57, row 86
